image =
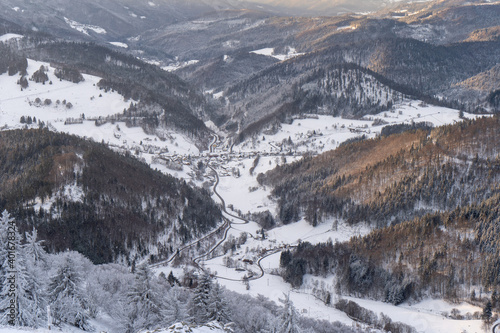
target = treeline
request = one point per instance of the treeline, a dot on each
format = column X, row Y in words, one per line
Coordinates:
column 401, row 128
column 12, row 62
column 353, row 310
column 387, row 180
column 82, row 196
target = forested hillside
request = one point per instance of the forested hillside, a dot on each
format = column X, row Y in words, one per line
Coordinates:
column 390, row 179
column 80, row 195
column 291, row 88
column 434, row 196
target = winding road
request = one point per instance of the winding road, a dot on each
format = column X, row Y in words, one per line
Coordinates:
column 224, row 238
column 226, row 226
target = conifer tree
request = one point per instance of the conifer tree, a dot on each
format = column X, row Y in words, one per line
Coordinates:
column 23, row 300
column 9, row 243
column 176, row 305
column 146, row 308
column 68, row 303
column 289, row 317
column 218, row 309
column 487, row 313
column 201, row 300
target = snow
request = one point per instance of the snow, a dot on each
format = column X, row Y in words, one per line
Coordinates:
column 321, row 133
column 85, row 98
column 16, row 9
column 346, row 27
column 218, row 95
column 72, row 192
column 212, row 327
column 178, row 65
column 269, row 51
column 292, row 53
column 237, row 191
column 119, row 44
column 152, row 4
column 84, row 28
column 438, row 306
column 7, row 37
column 210, row 124
column 425, row 316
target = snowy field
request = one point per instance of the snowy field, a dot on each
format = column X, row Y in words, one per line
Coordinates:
column 322, row 133
column 86, row 99
column 269, row 51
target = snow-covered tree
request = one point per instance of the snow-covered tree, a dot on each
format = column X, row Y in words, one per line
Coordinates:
column 34, row 281
column 218, row 309
column 146, row 306
column 107, row 289
column 6, row 222
column 31, row 296
column 22, row 300
column 33, row 247
column 68, row 303
column 289, row 317
column 9, row 246
column 201, row 300
column 177, row 300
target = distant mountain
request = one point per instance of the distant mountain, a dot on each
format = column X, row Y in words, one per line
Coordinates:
column 446, row 22
column 221, row 72
column 328, row 7
column 105, row 20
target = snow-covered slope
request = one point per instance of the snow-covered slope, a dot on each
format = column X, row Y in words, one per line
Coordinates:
column 74, row 108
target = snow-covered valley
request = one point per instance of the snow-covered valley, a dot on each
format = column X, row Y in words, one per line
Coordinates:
column 251, row 267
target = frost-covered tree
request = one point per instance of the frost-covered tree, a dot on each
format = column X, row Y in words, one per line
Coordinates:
column 68, row 303
column 33, row 247
column 146, row 306
column 32, row 306
column 176, row 305
column 288, row 317
column 201, row 300
column 31, row 296
column 218, row 309
column 9, row 245
column 22, row 300
column 107, row 289
column 5, row 222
